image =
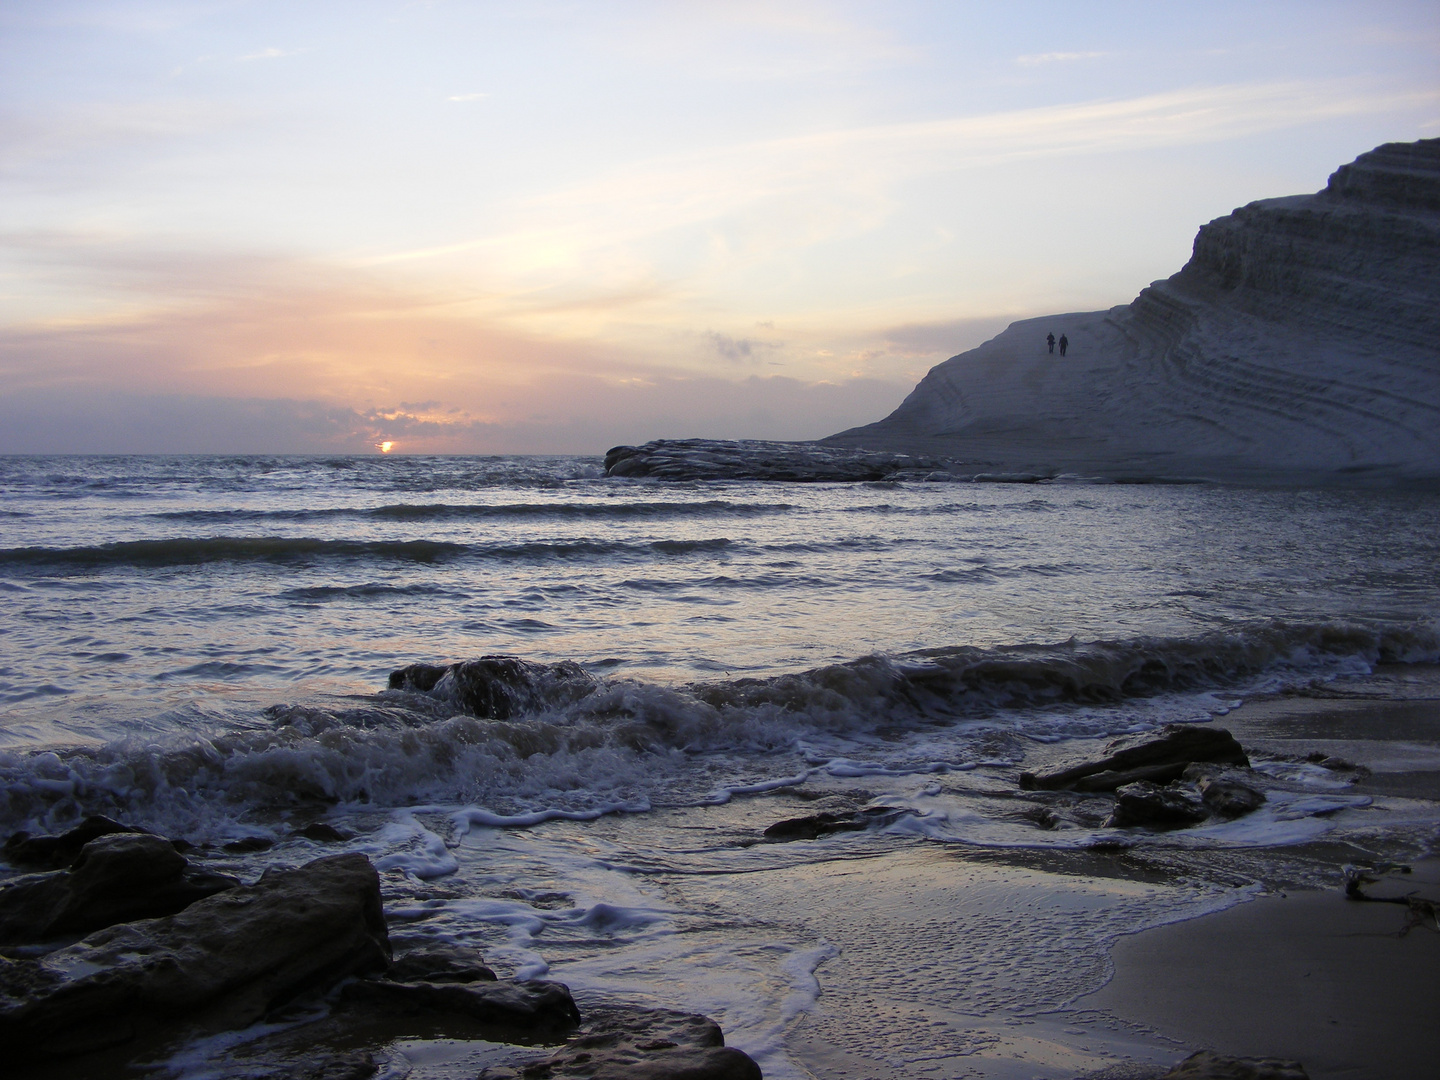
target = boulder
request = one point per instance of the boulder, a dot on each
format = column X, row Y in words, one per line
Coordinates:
column 1144, row 803
column 498, row 687
column 55, row 852
column 1211, row 1066
column 440, row 964
column 640, row 1044
column 1160, row 755
column 1230, row 798
column 118, row 877
column 521, row 1006
column 223, row 962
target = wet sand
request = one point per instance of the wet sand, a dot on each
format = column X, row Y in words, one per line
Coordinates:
column 1311, row 976
column 1330, row 982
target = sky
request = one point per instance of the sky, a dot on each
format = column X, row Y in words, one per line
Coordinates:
column 552, row 227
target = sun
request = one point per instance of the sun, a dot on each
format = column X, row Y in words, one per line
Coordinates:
column 386, row 446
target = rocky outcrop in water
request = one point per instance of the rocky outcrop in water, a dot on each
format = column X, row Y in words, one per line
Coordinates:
column 1301, row 341
column 1157, row 757
column 755, row 459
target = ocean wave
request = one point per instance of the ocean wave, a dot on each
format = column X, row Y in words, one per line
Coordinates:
column 518, row 736
column 486, row 512
column 186, row 551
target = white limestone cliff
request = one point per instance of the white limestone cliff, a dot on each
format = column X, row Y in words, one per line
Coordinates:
column 1300, row 342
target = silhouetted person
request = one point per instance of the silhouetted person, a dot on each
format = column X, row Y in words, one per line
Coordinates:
column 1064, row 344
column 1050, row 340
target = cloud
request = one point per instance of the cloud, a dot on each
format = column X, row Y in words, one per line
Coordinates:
column 1035, row 59
column 737, row 350
column 271, row 54
column 467, row 97
column 744, row 203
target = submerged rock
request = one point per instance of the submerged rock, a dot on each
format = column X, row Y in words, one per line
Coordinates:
column 117, row 877
column 814, row 826
column 757, row 459
column 223, row 962
column 1158, row 756
column 1207, row 1065
column 1144, row 803
column 640, row 1044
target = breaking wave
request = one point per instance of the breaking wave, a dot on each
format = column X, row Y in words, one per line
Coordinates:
column 523, row 738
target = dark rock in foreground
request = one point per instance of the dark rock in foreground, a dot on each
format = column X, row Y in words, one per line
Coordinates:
column 222, row 963
column 755, row 459
column 814, row 826
column 516, row 1005
column 1144, row 803
column 118, row 877
column 1211, row 1066
column 640, row 1044
column 1230, row 798
column 56, row 852
column 1157, row 757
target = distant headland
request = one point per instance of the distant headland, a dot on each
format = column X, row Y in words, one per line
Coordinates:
column 1300, row 343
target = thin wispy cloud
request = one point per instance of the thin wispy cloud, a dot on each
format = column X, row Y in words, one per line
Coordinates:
column 1036, row 59
column 467, row 97
column 835, row 183
column 271, row 54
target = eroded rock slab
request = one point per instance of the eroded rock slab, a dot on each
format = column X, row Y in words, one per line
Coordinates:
column 117, row 877
column 55, row 852
column 518, row 1006
column 1144, row 803
column 1158, row 757
column 222, row 963
column 814, row 826
column 1207, row 1065
column 756, row 459
column 640, row 1044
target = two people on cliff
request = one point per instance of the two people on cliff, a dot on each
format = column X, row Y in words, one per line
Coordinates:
column 1064, row 343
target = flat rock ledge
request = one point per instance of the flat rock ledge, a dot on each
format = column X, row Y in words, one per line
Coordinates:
column 1207, row 1065
column 639, row 1044
column 755, row 459
column 174, row 953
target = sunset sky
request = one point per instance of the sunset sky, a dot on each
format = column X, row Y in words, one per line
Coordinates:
column 551, row 227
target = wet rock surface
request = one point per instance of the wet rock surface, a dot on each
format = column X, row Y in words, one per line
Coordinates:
column 274, row 951
column 1230, row 798
column 1157, row 757
column 223, row 962
column 116, row 877
column 57, row 852
column 498, row 687
column 1207, row 1065
column 527, row 1006
column 814, row 826
column 640, row 1044
column 1144, row 803
column 755, row 459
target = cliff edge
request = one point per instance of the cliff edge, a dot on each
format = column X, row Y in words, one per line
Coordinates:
column 1301, row 342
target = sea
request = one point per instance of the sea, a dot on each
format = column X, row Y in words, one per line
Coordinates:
column 203, row 646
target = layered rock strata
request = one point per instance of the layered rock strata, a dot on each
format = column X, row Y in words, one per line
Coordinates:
column 1300, row 342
